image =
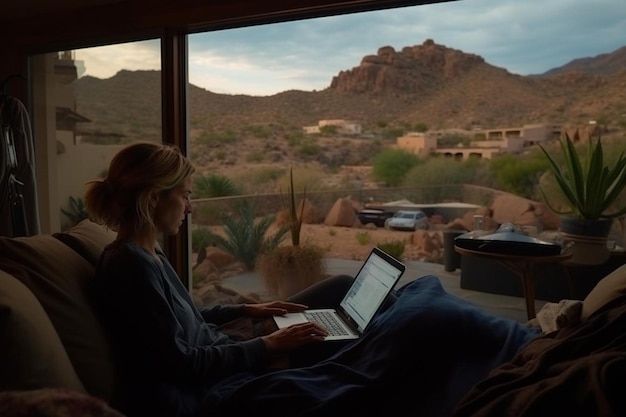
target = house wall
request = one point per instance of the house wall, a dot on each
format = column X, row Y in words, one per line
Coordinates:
column 417, row 143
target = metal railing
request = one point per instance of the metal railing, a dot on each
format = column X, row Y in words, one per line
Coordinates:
column 208, row 211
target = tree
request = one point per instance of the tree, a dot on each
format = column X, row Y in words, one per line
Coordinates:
column 518, row 175
column 391, row 166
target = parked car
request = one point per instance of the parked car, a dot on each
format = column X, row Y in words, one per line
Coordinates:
column 408, row 220
column 376, row 216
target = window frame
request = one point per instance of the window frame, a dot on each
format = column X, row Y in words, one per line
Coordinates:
column 174, row 55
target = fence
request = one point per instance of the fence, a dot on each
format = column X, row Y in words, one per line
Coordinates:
column 208, row 211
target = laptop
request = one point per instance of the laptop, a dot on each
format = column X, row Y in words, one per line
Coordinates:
column 375, row 280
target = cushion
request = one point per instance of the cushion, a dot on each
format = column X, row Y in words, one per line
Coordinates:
column 60, row 279
column 608, row 289
column 31, row 352
column 53, row 403
column 88, row 239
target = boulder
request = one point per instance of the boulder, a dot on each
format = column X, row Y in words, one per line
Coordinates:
column 219, row 257
column 310, row 214
column 424, row 241
column 508, row 208
column 524, row 212
column 342, row 213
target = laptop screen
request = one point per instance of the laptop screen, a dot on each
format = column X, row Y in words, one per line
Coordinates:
column 375, row 280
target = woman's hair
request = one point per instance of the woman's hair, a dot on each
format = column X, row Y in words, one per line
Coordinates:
column 137, row 174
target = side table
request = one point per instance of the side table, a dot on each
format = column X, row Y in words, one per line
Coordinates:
column 522, row 266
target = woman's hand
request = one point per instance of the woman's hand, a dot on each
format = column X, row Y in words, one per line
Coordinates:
column 287, row 339
column 274, row 308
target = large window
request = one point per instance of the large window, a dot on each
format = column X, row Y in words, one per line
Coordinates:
column 87, row 105
column 253, row 102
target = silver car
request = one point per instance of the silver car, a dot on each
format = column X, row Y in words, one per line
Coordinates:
column 408, row 220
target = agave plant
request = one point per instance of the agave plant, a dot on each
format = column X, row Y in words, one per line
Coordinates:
column 590, row 186
column 295, row 219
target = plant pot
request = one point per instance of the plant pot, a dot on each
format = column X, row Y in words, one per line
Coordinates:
column 586, row 239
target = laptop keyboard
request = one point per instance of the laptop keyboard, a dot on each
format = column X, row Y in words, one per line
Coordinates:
column 329, row 321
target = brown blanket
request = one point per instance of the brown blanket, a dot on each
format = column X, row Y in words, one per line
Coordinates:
column 578, row 370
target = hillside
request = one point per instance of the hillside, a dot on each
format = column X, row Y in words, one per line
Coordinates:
column 387, row 93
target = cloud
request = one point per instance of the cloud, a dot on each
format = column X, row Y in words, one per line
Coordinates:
column 106, row 61
column 524, row 37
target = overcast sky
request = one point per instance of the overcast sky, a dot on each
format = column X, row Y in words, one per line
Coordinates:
column 522, row 36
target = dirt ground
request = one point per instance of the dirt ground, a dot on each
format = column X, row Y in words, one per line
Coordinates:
column 346, row 242
column 355, row 243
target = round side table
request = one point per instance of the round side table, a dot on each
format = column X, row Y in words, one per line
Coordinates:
column 522, row 266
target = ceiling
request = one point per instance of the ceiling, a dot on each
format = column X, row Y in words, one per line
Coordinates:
column 18, row 9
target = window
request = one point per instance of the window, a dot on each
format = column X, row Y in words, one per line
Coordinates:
column 83, row 124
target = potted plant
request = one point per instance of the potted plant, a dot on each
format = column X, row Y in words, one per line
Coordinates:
column 288, row 269
column 591, row 188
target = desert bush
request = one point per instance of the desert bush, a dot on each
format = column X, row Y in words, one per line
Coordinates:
column 76, row 212
column 309, row 149
column 288, row 267
column 391, row 166
column 309, row 178
column 255, row 156
column 394, row 248
column 363, row 238
column 213, row 185
column 201, row 238
column 258, row 131
column 246, row 235
column 519, row 175
column 442, row 170
column 214, row 139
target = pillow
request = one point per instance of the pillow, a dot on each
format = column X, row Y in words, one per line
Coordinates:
column 609, row 288
column 31, row 352
column 88, row 239
column 53, row 403
column 60, row 279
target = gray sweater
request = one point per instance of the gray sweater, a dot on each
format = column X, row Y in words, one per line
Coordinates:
column 168, row 351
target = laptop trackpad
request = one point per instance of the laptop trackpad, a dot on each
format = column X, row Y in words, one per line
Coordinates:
column 289, row 319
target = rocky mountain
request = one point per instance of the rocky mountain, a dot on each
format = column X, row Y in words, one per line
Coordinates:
column 414, row 70
column 387, row 93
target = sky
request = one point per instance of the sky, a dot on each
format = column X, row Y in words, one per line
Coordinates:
column 522, row 36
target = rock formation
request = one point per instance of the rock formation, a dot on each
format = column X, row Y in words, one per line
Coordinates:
column 413, row 70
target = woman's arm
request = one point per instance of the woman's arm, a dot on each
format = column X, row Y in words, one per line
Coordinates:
column 153, row 319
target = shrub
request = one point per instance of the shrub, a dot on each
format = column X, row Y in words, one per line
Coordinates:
column 394, row 248
column 309, row 149
column 255, row 156
column 201, row 238
column 363, row 238
column 77, row 211
column 288, row 266
column 246, row 236
column 213, row 185
column 392, row 165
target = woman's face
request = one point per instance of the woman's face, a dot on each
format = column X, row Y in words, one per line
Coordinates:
column 172, row 207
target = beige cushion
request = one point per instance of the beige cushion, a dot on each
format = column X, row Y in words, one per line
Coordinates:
column 60, row 279
column 88, row 239
column 31, row 352
column 53, row 403
column 609, row 288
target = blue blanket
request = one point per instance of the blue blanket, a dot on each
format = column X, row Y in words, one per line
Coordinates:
column 420, row 356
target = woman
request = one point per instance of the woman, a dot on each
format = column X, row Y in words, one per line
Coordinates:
column 169, row 351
